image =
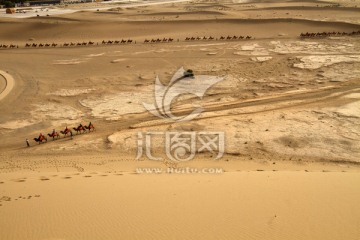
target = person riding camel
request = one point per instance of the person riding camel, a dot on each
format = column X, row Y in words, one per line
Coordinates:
column 53, row 132
column 66, row 129
column 41, row 136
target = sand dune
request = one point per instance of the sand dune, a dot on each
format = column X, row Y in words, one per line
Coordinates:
column 287, row 108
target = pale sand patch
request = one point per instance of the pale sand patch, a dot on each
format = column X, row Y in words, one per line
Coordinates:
column 314, row 62
column 95, row 55
column 9, row 84
column 261, row 59
column 115, row 105
column 349, row 110
column 71, row 92
column 16, row 124
column 118, row 60
column 353, row 95
column 69, row 62
column 54, row 111
column 251, row 49
column 58, row 114
column 2, row 84
column 312, row 47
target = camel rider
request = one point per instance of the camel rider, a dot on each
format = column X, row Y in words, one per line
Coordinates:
column 40, row 136
column 53, row 132
column 66, row 129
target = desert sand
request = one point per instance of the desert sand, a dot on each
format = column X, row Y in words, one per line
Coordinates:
column 289, row 108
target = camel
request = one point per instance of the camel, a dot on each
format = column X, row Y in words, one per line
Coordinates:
column 79, row 129
column 66, row 132
column 40, row 139
column 54, row 44
column 53, row 135
column 91, row 126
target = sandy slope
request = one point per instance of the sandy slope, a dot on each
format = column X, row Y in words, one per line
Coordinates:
column 234, row 205
column 289, row 108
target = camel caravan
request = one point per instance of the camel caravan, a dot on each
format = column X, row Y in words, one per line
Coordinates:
column 328, row 34
column 122, row 41
column 168, row 40
column 66, row 132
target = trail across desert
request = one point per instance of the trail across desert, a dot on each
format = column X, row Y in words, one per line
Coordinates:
column 276, row 84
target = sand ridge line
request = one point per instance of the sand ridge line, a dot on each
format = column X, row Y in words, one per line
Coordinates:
column 9, row 84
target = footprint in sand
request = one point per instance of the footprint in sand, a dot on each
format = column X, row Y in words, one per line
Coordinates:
column 5, row 198
column 118, row 174
column 19, row 180
column 87, row 176
column 1, row 182
column 44, row 179
column 103, row 175
column 67, row 177
column 37, row 196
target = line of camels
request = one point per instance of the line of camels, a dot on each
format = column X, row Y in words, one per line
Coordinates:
column 123, row 41
column 328, row 34
column 55, row 135
column 168, row 40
